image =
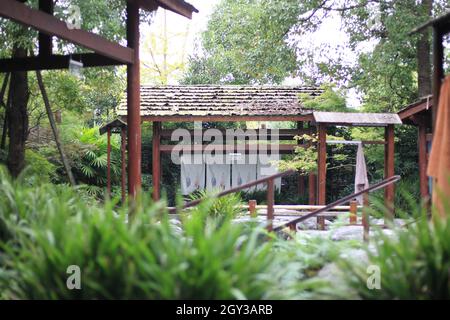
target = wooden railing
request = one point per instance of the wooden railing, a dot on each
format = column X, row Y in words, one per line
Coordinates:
column 364, row 192
column 270, row 197
column 269, row 180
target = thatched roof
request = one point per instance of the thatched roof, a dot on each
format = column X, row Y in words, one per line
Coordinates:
column 195, row 100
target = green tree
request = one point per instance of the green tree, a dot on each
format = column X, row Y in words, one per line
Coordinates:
column 246, row 42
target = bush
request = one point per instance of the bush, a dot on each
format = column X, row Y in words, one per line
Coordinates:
column 414, row 264
column 50, row 228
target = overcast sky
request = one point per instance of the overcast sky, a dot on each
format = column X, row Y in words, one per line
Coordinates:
column 183, row 34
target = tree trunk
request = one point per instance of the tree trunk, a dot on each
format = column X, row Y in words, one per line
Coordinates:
column 18, row 117
column 424, row 55
column 51, row 119
column 6, row 106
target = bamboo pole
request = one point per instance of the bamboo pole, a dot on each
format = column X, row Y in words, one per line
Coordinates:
column 51, row 119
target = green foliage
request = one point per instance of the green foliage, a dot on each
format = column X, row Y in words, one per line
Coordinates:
column 39, row 168
column 223, row 208
column 89, row 156
column 246, row 42
column 413, row 264
column 49, row 228
column 330, row 100
column 304, row 159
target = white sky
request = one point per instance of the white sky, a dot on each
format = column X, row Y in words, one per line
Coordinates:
column 182, row 34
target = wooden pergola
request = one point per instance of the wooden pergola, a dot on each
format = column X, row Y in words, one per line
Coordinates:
column 103, row 53
column 162, row 104
column 441, row 27
column 419, row 114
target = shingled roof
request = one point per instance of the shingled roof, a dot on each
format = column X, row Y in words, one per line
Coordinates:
column 204, row 101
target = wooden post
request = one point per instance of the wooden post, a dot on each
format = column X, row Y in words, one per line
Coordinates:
column 108, row 165
column 389, row 191
column 322, row 165
column 422, row 141
column 365, row 217
column 270, row 203
column 353, row 211
column 45, row 41
column 156, row 161
column 438, row 71
column 301, row 178
column 133, row 102
column 320, row 223
column 123, row 146
column 252, row 208
column 301, row 185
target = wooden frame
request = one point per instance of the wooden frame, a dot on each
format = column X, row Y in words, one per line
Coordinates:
column 105, row 53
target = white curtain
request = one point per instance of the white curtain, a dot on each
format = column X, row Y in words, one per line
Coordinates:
column 192, row 175
column 264, row 170
column 242, row 174
column 361, row 179
column 217, row 177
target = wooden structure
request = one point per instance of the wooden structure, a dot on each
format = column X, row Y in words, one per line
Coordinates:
column 255, row 103
column 103, row 53
column 419, row 114
column 441, row 27
column 120, row 127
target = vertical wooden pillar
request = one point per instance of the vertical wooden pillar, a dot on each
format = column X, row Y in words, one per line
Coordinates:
column 353, row 212
column 312, row 178
column 301, row 178
column 422, row 141
column 389, row 152
column 322, row 165
column 270, row 203
column 123, row 145
column 45, row 41
column 252, row 208
column 156, row 161
column 438, row 71
column 133, row 102
column 108, row 164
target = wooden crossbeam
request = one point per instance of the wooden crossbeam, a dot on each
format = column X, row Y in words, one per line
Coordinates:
column 49, row 25
column 283, row 134
column 55, row 62
column 182, row 8
column 282, row 148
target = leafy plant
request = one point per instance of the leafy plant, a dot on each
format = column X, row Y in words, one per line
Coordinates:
column 413, row 264
column 53, row 228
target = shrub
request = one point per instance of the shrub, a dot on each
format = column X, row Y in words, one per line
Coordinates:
column 414, row 263
column 146, row 258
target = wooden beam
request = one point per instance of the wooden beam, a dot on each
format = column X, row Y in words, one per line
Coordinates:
column 389, row 153
column 44, row 40
column 283, row 134
column 123, row 166
column 108, row 165
column 322, row 165
column 226, row 118
column 301, row 179
column 133, row 103
column 55, row 62
column 281, row 148
column 181, row 8
column 49, row 25
column 422, row 142
column 438, row 71
column 156, row 160
column 410, row 111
